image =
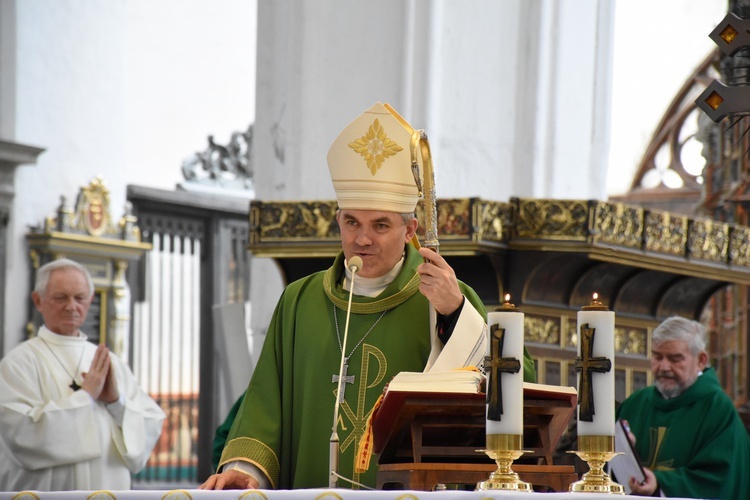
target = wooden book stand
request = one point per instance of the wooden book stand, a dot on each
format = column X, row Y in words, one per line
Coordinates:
column 425, row 438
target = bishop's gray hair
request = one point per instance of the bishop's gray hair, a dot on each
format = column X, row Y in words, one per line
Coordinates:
column 44, row 272
column 678, row 328
column 407, row 216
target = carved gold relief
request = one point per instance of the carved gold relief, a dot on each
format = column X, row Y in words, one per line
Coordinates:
column 739, row 246
column 666, row 233
column 294, row 220
column 708, row 240
column 541, row 330
column 92, row 216
column 552, row 219
column 453, row 218
column 491, row 220
column 314, row 221
column 619, row 224
column 630, row 340
column 571, row 332
column 92, row 209
column 589, row 224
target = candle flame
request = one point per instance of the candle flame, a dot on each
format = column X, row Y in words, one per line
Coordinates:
column 507, row 297
column 595, row 304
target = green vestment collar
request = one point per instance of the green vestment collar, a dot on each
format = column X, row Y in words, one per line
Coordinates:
column 705, row 384
column 399, row 291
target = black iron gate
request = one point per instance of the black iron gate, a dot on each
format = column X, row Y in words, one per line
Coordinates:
column 199, row 259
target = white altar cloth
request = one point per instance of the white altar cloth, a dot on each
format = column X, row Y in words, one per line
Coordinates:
column 308, row 494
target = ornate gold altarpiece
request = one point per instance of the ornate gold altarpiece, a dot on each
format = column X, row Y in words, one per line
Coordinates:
column 551, row 256
column 87, row 235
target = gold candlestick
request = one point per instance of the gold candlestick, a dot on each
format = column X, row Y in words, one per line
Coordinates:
column 596, row 451
column 504, row 449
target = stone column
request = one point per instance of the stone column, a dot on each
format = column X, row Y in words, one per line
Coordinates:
column 12, row 155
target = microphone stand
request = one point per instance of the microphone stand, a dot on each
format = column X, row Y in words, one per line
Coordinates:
column 333, row 457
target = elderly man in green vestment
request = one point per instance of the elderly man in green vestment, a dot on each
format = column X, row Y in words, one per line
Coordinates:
column 281, row 436
column 685, row 428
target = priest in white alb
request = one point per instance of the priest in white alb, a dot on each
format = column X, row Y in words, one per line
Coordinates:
column 72, row 416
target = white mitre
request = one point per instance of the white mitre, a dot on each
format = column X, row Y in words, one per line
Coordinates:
column 371, row 163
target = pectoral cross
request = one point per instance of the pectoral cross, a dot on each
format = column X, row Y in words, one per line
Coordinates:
column 494, row 365
column 74, row 385
column 586, row 364
column 346, row 379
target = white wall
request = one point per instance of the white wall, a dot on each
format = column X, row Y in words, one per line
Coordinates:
column 658, row 45
column 122, row 88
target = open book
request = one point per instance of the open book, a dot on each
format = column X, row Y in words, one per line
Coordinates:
column 626, row 465
column 469, row 381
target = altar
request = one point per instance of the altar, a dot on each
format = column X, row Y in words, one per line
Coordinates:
column 311, row 494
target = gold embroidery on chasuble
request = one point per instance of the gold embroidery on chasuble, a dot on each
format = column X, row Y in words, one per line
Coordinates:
column 101, row 495
column 358, row 417
column 329, row 495
column 253, row 495
column 26, row 495
column 177, row 495
column 267, row 461
column 375, row 147
column 657, row 435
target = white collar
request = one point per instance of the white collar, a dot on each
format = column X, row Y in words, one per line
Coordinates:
column 56, row 338
column 372, row 287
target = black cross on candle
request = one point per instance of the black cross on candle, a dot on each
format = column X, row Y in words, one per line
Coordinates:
column 494, row 365
column 586, row 364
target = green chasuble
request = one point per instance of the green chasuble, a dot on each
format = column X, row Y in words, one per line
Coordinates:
column 285, row 422
column 696, row 443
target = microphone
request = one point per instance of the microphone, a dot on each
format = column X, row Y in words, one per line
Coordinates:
column 354, row 265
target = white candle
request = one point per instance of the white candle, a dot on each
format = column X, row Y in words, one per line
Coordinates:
column 509, row 319
column 597, row 317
